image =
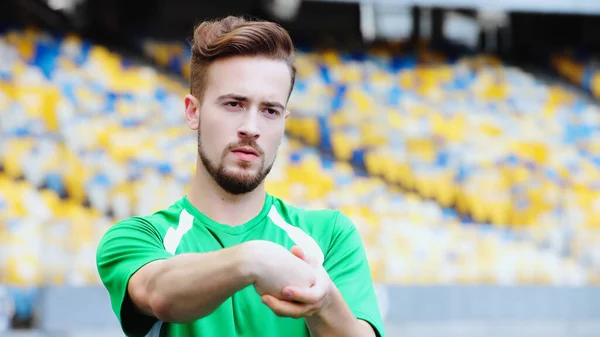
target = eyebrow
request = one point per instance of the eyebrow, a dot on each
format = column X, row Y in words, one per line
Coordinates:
column 270, row 104
column 274, row 105
column 234, row 97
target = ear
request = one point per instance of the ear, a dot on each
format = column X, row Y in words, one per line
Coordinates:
column 286, row 113
column 192, row 112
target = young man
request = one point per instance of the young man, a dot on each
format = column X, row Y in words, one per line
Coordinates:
column 229, row 259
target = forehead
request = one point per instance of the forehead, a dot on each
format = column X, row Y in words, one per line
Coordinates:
column 254, row 77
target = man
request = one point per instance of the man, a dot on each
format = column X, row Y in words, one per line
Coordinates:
column 229, row 259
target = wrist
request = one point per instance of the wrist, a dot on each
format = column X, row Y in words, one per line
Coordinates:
column 330, row 302
column 335, row 318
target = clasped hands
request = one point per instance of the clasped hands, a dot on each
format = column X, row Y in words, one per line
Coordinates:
column 296, row 284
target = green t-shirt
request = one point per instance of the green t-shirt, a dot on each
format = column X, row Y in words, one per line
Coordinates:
column 328, row 234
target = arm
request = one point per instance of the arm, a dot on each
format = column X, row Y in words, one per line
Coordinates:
column 190, row 286
column 337, row 319
column 176, row 290
column 146, row 283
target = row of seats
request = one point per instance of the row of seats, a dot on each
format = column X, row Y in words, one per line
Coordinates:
column 580, row 70
column 84, row 146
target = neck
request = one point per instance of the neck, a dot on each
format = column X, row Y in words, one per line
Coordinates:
column 221, row 206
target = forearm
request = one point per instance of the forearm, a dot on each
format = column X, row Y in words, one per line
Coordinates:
column 190, row 286
column 336, row 319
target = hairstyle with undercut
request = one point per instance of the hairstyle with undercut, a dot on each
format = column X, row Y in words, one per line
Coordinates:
column 237, row 36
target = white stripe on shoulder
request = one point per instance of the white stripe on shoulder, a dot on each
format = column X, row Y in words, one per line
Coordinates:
column 174, row 236
column 155, row 332
column 305, row 241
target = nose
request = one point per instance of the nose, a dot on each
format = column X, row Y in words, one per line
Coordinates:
column 249, row 127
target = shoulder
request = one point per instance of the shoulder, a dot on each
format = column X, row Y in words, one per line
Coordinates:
column 287, row 210
column 155, row 224
column 333, row 219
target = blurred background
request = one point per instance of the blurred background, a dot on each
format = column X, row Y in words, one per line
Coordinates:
column 461, row 136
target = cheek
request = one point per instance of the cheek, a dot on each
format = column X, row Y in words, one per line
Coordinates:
column 211, row 137
column 272, row 146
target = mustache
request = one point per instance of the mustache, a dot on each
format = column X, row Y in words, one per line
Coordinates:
column 246, row 142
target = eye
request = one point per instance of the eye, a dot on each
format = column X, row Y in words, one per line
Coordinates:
column 233, row 105
column 273, row 112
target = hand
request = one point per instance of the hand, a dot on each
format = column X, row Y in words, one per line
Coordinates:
column 302, row 302
column 276, row 268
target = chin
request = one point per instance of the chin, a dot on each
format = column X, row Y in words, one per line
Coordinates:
column 243, row 166
column 241, row 172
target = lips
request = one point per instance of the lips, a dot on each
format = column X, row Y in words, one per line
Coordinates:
column 246, row 150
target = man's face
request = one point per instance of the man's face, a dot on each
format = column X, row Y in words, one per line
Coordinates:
column 240, row 120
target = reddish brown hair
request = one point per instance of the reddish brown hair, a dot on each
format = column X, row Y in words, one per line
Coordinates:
column 237, row 36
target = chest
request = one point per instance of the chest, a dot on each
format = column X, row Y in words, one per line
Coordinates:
column 202, row 238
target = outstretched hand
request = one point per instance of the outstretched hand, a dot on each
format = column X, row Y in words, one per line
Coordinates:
column 302, row 302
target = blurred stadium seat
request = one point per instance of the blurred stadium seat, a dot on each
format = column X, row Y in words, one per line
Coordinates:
column 455, row 172
column 582, row 70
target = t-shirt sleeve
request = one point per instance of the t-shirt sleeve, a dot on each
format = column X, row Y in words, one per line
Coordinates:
column 124, row 249
column 347, row 265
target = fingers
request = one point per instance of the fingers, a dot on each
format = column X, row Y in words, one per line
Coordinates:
column 299, row 252
column 307, row 295
column 304, row 295
column 286, row 308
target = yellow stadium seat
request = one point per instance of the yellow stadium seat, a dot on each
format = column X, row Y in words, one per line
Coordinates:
column 595, row 85
column 568, row 68
column 331, row 58
column 343, row 145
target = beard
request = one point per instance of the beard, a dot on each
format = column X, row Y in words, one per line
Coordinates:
column 235, row 182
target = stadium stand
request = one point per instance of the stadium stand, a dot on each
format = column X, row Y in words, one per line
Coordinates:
column 90, row 137
column 495, row 143
column 491, row 141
